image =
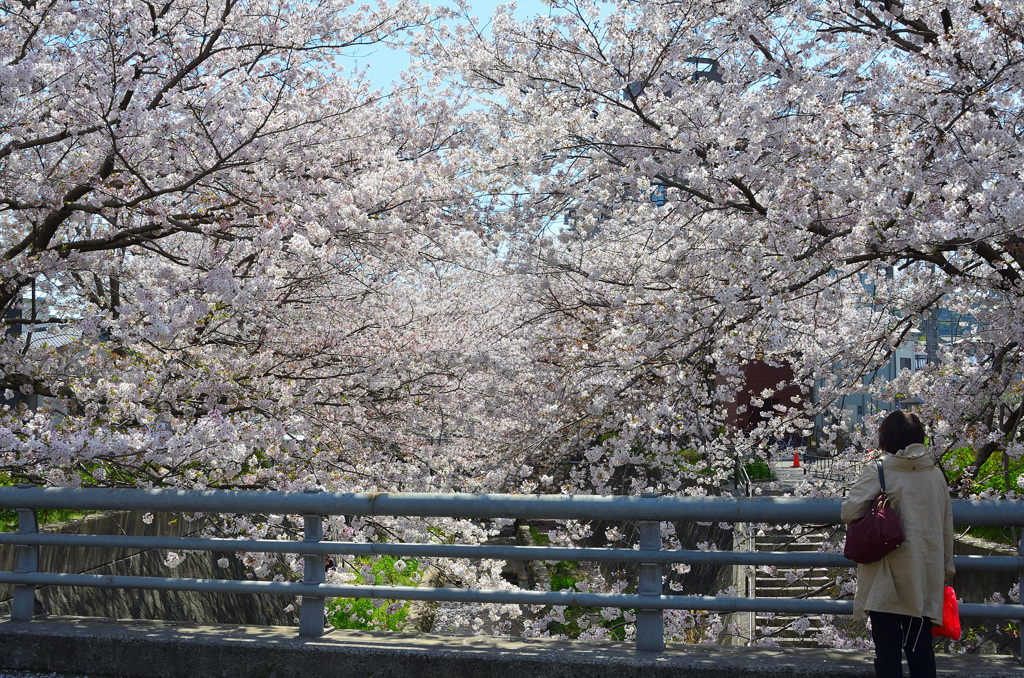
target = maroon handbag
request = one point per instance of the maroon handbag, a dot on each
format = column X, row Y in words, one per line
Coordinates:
column 877, row 533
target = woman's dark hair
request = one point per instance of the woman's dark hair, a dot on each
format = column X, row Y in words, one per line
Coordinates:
column 898, row 430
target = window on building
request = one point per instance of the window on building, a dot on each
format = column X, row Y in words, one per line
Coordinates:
column 906, row 364
column 658, row 195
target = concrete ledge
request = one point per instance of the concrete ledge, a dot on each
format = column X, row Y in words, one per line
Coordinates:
column 155, row 649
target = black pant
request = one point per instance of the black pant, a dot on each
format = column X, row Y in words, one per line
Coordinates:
column 897, row 633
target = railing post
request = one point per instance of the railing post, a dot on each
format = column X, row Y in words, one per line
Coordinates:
column 311, row 617
column 23, row 604
column 650, row 626
column 1020, row 599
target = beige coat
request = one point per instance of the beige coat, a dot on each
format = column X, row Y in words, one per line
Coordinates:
column 911, row 579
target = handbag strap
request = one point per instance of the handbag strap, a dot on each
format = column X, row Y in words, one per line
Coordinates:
column 881, row 477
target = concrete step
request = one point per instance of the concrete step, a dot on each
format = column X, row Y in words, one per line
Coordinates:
column 787, row 548
column 798, row 587
column 782, row 629
column 782, row 632
column 783, row 624
column 787, row 632
column 795, row 531
column 789, row 593
column 800, row 582
column 791, row 539
column 780, row 546
column 784, row 577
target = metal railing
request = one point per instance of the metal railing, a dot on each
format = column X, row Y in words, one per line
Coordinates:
column 649, row 512
column 829, row 467
column 741, row 479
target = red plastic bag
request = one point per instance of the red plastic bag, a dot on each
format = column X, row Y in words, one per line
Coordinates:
column 950, row 616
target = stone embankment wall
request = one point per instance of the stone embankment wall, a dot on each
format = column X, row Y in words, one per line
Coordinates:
column 228, row 608
column 978, row 586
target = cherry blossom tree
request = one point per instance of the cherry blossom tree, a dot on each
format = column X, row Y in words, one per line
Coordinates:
column 273, row 272
column 235, row 265
column 703, row 188
column 549, row 265
column 714, row 185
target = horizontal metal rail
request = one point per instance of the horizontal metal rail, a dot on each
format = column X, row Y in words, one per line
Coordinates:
column 774, row 510
column 647, row 511
column 515, row 596
column 477, row 552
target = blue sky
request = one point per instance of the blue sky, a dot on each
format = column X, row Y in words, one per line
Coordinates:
column 384, row 65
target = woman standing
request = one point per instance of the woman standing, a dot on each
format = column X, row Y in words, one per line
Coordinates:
column 902, row 592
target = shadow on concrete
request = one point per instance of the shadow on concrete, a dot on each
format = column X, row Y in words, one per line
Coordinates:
column 145, row 648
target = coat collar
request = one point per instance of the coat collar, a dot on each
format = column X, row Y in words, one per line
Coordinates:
column 916, row 453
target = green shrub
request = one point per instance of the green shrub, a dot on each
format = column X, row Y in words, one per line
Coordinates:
column 691, row 456
column 991, row 476
column 370, row 614
column 9, row 517
column 539, row 538
column 759, row 469
column 563, row 575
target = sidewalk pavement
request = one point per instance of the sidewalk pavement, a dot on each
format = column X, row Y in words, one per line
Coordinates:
column 157, row 649
column 788, row 477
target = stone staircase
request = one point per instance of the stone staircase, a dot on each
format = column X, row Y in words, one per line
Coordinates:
column 790, row 630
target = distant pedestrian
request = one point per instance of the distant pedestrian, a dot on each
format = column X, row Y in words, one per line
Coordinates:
column 902, row 592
